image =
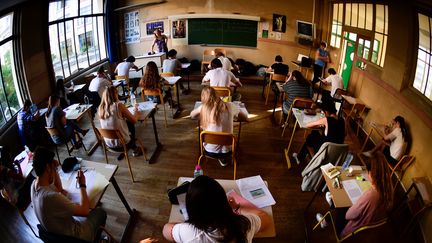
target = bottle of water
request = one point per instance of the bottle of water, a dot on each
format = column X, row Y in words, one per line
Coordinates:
column 86, row 100
column 198, row 171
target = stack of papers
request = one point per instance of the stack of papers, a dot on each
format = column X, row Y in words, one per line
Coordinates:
column 254, row 190
column 330, row 170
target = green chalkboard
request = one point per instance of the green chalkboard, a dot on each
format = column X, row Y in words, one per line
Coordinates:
column 236, row 32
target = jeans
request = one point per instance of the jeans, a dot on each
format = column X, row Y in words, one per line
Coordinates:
column 90, row 224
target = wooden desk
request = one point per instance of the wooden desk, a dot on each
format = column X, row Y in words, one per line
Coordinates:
column 108, row 171
column 340, row 197
column 185, row 70
column 148, row 109
column 76, row 112
column 174, row 81
column 241, row 107
column 78, row 87
column 301, row 68
column 352, row 100
column 175, row 215
column 301, row 120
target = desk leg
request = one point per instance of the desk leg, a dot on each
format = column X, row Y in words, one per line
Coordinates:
column 238, row 135
column 132, row 212
column 264, row 85
column 177, row 112
column 287, row 156
column 158, row 144
column 307, row 209
column 94, row 146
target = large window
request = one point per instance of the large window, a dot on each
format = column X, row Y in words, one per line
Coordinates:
column 371, row 20
column 423, row 75
column 76, row 33
column 9, row 97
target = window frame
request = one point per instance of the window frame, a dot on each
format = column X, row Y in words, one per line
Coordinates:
column 71, row 71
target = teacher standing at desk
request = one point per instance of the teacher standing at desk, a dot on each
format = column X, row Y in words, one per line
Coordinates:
column 322, row 57
column 161, row 41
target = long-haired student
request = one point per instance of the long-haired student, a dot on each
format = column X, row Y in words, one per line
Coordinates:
column 214, row 218
column 217, row 116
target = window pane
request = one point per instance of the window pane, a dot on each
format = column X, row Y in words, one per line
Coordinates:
column 386, row 20
column 362, row 16
column 428, row 88
column 340, row 12
column 64, row 50
column 101, row 36
column 6, row 26
column 71, row 47
column 369, row 16
column 379, row 20
column 56, row 10
column 82, row 45
column 85, row 7
column 55, row 53
column 383, row 51
column 97, row 6
column 424, row 33
column 9, row 82
column 71, row 8
column 348, row 14
column 419, row 74
column 354, row 15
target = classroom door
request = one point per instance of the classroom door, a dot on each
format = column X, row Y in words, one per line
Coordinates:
column 349, row 42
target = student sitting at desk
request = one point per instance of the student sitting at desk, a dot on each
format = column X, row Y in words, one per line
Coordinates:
column 26, row 127
column 334, row 130
column 394, row 143
column 335, row 81
column 374, row 203
column 295, row 86
column 279, row 67
column 217, row 116
column 56, row 118
column 152, row 80
column 123, row 68
column 214, row 218
column 219, row 77
column 97, row 87
column 113, row 114
column 172, row 65
column 53, row 209
column 63, row 92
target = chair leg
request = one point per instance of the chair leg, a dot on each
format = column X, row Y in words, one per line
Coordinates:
column 129, row 165
column 142, row 149
column 286, row 123
column 105, row 152
column 69, row 150
column 235, row 167
column 268, row 91
column 164, row 110
column 58, row 157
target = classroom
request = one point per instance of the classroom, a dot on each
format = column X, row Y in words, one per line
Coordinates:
column 51, row 52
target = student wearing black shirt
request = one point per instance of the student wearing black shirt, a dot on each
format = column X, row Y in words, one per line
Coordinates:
column 279, row 67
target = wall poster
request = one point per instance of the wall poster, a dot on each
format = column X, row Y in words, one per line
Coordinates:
column 152, row 26
column 179, row 28
column 132, row 30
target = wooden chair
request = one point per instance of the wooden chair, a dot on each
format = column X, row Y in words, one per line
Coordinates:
column 174, row 87
column 337, row 97
column 274, row 78
column 115, row 134
column 223, row 92
column 355, row 113
column 364, row 232
column 208, row 55
column 222, row 50
column 298, row 102
column 54, row 132
column 220, row 138
column 126, row 87
column 156, row 92
column 401, row 166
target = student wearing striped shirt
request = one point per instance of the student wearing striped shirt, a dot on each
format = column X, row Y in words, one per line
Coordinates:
column 295, row 86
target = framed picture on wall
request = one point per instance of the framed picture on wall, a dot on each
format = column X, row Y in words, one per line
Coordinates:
column 152, row 26
column 132, row 31
column 179, row 29
column 279, row 23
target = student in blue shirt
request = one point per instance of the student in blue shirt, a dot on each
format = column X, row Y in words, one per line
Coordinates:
column 322, row 57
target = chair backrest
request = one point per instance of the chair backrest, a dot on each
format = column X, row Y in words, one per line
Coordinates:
column 303, row 103
column 222, row 50
column 120, row 77
column 278, row 77
column 222, row 91
column 48, row 237
column 220, row 138
column 152, row 92
column 208, row 55
column 53, row 131
column 111, row 134
column 340, row 92
column 167, row 74
column 402, row 164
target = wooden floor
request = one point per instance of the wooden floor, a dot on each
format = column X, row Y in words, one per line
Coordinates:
column 260, row 153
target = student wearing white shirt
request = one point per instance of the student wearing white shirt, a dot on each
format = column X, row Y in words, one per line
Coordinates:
column 334, row 80
column 172, row 65
column 226, row 63
column 122, row 69
column 97, row 87
column 219, row 77
column 215, row 218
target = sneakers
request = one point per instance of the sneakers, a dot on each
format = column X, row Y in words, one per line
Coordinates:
column 328, row 198
column 294, row 155
column 137, row 152
column 222, row 162
column 323, row 223
column 121, row 156
column 367, row 154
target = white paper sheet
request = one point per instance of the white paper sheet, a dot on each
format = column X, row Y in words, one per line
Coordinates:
column 254, row 189
column 352, row 189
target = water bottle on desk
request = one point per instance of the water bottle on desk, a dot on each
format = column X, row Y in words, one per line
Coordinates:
column 86, row 100
column 133, row 99
column 198, row 171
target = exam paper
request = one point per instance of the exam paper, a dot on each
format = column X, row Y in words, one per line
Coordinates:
column 352, row 189
column 254, row 189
